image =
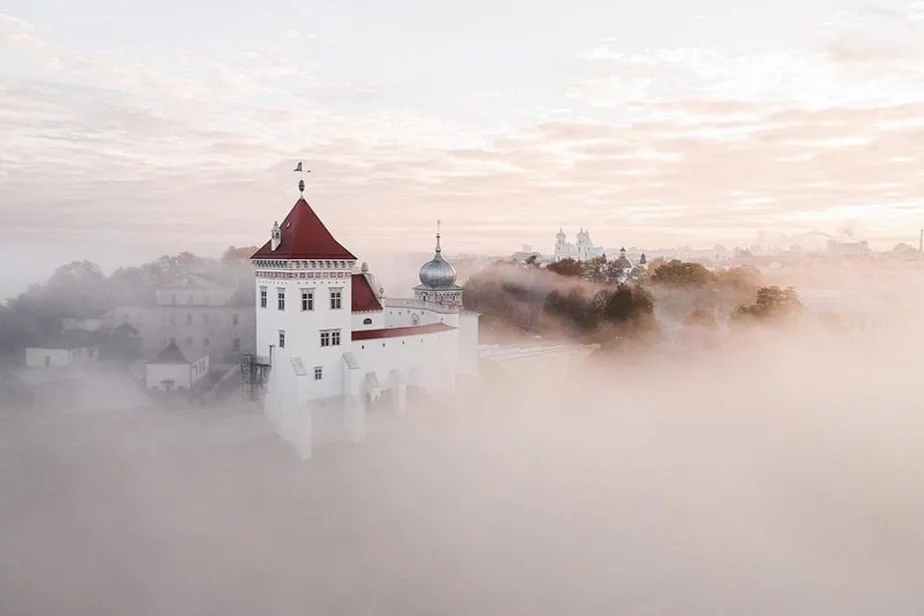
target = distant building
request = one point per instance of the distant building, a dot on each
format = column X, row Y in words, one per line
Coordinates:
column 848, row 247
column 68, row 349
column 196, row 311
column 173, row 369
column 527, row 253
column 622, row 269
column 582, row 250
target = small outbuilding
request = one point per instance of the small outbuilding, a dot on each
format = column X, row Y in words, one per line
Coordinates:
column 176, row 369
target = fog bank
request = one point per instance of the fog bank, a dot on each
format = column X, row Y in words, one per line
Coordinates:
column 776, row 476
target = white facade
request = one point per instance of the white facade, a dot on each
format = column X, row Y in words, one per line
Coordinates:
column 175, row 371
column 38, row 357
column 335, row 344
column 582, row 250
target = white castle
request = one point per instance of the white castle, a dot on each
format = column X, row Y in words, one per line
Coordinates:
column 335, row 344
column 583, row 250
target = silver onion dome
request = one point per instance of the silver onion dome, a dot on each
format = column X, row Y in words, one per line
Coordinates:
column 437, row 273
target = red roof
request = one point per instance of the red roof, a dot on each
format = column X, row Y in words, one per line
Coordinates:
column 398, row 332
column 304, row 236
column 364, row 299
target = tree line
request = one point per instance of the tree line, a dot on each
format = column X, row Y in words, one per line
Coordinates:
column 590, row 302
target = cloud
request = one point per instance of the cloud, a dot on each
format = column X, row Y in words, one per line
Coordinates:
column 666, row 146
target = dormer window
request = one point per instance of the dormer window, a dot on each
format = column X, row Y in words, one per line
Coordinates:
column 275, row 236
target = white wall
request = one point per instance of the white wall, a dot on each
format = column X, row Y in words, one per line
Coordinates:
column 404, row 313
column 60, row 358
column 468, row 343
column 435, row 355
column 377, row 319
column 156, row 374
column 183, row 376
column 303, row 327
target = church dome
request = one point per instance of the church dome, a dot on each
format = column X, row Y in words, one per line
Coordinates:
column 623, row 261
column 437, row 273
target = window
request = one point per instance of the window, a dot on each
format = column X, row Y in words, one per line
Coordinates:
column 367, row 321
column 281, row 298
column 325, row 339
column 205, row 319
column 234, row 319
column 318, row 373
column 336, row 301
column 236, row 344
column 307, row 299
column 282, row 338
column 189, row 318
column 262, row 297
column 335, row 338
column 205, row 342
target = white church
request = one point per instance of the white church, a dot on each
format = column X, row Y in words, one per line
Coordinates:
column 333, row 343
column 582, row 250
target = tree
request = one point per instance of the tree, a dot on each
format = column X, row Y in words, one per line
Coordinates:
column 904, row 250
column 676, row 273
column 739, row 278
column 594, row 270
column 569, row 268
column 235, row 253
column 701, row 319
column 771, row 304
column 624, row 304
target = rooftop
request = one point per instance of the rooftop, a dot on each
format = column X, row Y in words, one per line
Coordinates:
column 364, row 298
column 173, row 354
column 304, row 236
column 398, row 332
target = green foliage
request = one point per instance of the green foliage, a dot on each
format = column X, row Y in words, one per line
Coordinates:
column 741, row 278
column 771, row 304
column 238, row 253
column 681, row 274
column 594, row 270
column 569, row 268
column 539, row 300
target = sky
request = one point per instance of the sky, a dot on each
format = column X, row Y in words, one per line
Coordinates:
column 145, row 128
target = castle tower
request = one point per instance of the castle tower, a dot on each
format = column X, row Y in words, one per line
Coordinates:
column 303, row 301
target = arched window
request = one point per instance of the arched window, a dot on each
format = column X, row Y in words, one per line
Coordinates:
column 367, row 321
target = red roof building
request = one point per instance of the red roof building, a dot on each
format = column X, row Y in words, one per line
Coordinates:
column 303, row 236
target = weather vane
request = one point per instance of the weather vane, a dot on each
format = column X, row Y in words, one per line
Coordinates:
column 301, row 181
